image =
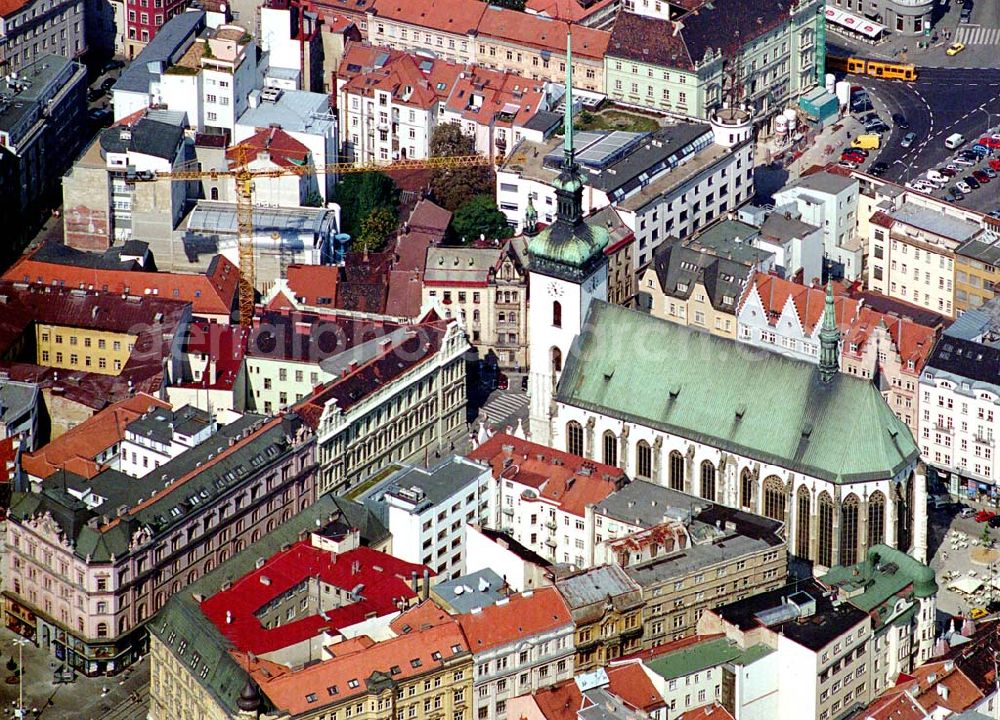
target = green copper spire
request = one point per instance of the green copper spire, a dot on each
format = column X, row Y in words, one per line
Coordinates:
column 829, row 340
column 530, row 218
column 568, row 112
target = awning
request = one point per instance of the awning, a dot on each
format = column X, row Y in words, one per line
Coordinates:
column 853, row 22
column 966, row 584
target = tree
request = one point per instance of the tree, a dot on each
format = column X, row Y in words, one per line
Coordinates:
column 479, row 216
column 453, row 186
column 359, row 194
column 376, row 227
column 313, row 199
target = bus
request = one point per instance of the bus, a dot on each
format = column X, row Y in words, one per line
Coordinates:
column 874, row 68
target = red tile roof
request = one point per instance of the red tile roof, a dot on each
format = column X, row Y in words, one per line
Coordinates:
column 284, row 150
column 314, row 284
column 542, row 33
column 895, row 706
column 383, row 579
column 559, row 702
column 333, row 681
column 962, row 692
column 76, row 449
column 516, row 617
column 8, row 457
column 561, row 478
column 365, row 69
column 570, row 10
column 454, row 16
column 211, row 293
column 855, row 320
column 225, row 346
column 631, row 684
column 711, row 712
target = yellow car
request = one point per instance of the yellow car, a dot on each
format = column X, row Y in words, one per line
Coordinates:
column 955, row 48
column 977, row 613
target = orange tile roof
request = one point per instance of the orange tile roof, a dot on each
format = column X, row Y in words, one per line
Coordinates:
column 9, row 7
column 565, row 9
column 711, row 712
column 559, row 702
column 400, row 75
column 632, row 684
column 330, row 682
column 312, row 283
column 455, row 16
column 499, row 91
column 542, row 33
column 211, row 293
column 284, row 150
column 76, row 449
column 962, row 691
column 895, row 706
column 511, row 619
column 425, row 615
column 567, row 480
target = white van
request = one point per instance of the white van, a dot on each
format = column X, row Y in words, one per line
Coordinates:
column 937, row 178
column 954, row 141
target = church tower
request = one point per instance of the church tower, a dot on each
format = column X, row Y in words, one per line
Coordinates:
column 829, row 340
column 567, row 271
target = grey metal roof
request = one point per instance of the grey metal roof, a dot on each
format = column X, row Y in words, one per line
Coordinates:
column 544, row 121
column 449, row 264
column 481, row 588
column 985, row 248
column 595, row 585
column 647, row 504
column 36, row 83
column 782, row 227
column 436, row 485
column 219, row 218
column 980, row 324
column 146, row 136
column 935, row 222
column 160, row 424
column 731, row 239
column 825, row 182
column 694, row 558
column 605, row 705
column 294, row 110
column 679, row 268
column 169, row 41
column 16, row 399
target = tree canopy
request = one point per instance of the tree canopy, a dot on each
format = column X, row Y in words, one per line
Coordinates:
column 361, row 193
column 453, row 186
column 478, row 216
column 375, row 228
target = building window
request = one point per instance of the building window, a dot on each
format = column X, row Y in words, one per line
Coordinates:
column 825, row 555
column 774, row 498
column 643, row 459
column 876, row 518
column 802, row 523
column 677, row 471
column 556, row 355
column 102, row 630
column 610, row 448
column 557, row 314
column 746, row 488
column 848, row 530
column 574, row 438
column 708, row 480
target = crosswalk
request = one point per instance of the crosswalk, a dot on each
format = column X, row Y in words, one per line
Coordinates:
column 977, row 35
column 502, row 405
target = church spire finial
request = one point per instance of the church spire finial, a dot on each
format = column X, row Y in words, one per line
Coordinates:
column 530, row 218
column 829, row 339
column 568, row 110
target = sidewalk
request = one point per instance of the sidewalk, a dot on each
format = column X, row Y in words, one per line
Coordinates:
column 817, row 146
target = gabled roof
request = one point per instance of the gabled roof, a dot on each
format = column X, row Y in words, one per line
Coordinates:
column 211, row 293
column 453, row 16
column 542, row 33
column 648, row 40
column 712, row 390
column 631, row 683
column 145, row 136
column 76, row 449
column 282, row 149
column 680, row 268
column 514, row 618
column 895, row 706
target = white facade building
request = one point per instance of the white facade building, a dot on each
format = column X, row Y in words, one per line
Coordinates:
column 161, row 435
column 829, row 201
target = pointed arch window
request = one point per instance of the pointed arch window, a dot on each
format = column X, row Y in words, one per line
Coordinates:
column 876, row 518
column 802, row 517
column 643, row 459
column 610, row 448
column 556, row 354
column 825, row 554
column 676, row 471
column 774, row 498
column 746, row 489
column 708, row 480
column 574, row 438
column 556, row 314
column 849, row 530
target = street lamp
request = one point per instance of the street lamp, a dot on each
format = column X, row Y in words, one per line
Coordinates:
column 988, row 116
column 20, row 642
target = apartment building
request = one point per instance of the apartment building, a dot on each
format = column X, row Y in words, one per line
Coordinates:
column 829, row 201
column 593, row 694
column 392, row 398
column 694, row 288
column 133, row 542
column 663, row 184
column 606, row 605
column 213, row 375
column 486, row 286
column 958, row 396
column 42, row 118
column 823, row 664
column 427, row 511
column 912, row 255
column 785, row 317
column 143, row 23
column 33, row 29
column 160, row 435
column 977, row 269
column 110, row 195
column 519, row 644
column 543, row 495
column 390, row 102
column 671, row 56
column 93, row 445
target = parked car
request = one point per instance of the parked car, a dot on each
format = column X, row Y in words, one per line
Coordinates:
column 966, row 16
column 878, row 168
column 984, row 516
column 848, row 157
column 990, row 172
column 963, row 187
column 948, row 172
column 858, row 151
column 981, row 176
column 851, row 165
column 95, row 94
column 924, row 186
column 971, row 182
column 524, row 384
column 101, row 117
column 955, row 195
column 899, row 120
column 994, row 164
column 908, row 139
column 990, row 141
column 502, row 382
column 966, row 512
column 994, row 522
column 955, row 48
column 112, row 65
column 977, row 612
column 108, row 84
column 980, row 150
column 964, row 162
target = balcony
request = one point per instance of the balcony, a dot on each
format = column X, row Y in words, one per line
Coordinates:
column 551, row 542
column 983, row 440
column 508, row 511
column 942, row 428
column 551, row 524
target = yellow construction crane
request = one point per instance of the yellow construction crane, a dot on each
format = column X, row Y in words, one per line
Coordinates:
column 244, row 177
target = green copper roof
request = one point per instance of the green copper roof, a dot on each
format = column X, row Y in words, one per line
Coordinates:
column 896, row 572
column 570, row 246
column 632, row 366
column 703, row 655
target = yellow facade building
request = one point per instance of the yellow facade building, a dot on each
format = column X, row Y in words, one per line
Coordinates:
column 87, row 349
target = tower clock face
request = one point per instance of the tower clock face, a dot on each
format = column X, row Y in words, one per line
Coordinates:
column 555, row 289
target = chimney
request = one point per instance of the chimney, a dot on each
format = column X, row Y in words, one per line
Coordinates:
column 942, row 691
column 427, row 583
